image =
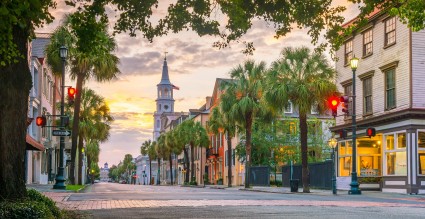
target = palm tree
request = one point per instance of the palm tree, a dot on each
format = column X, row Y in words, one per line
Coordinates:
column 242, row 102
column 195, row 135
column 173, row 146
column 94, row 125
column 148, row 149
column 90, row 56
column 222, row 122
column 162, row 152
column 305, row 79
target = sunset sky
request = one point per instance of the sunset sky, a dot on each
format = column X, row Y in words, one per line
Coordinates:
column 193, row 66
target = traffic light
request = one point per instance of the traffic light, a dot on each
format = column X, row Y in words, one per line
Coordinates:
column 71, row 94
column 370, row 132
column 344, row 104
column 333, row 104
column 40, row 121
column 343, row 133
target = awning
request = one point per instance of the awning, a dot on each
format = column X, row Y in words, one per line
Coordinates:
column 32, row 144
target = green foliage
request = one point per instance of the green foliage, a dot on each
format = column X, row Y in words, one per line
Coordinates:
column 74, row 187
column 34, row 195
column 370, row 179
column 277, row 183
column 24, row 209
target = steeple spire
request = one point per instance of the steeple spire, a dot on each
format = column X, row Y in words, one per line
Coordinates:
column 165, row 79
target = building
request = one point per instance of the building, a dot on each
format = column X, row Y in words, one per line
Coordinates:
column 104, row 173
column 42, row 149
column 390, row 96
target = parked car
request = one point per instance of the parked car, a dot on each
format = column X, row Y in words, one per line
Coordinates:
column 123, row 182
column 96, row 181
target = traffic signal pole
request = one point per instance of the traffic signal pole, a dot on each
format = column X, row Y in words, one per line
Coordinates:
column 60, row 179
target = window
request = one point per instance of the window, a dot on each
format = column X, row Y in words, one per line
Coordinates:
column 288, row 108
column 367, row 42
column 348, row 52
column 226, row 158
column 390, row 31
column 348, row 91
column 344, row 156
column 421, row 152
column 35, row 82
column 395, row 154
column 390, row 89
column 314, row 109
column 157, row 124
column 367, row 96
column 233, row 157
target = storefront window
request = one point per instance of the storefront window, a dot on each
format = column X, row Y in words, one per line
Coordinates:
column 421, row 152
column 369, row 152
column 344, row 157
column 396, row 163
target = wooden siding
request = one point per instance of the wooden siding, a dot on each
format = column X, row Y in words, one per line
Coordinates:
column 380, row 57
column 418, row 69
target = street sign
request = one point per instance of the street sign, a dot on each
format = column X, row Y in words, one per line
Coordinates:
column 61, row 133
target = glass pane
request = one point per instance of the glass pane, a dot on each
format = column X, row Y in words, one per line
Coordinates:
column 344, row 166
column 421, row 139
column 422, row 163
column 401, row 140
column 349, row 148
column 390, row 142
column 396, row 163
column 342, row 148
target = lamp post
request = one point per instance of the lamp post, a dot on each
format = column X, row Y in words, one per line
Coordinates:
column 60, row 179
column 332, row 144
column 354, row 190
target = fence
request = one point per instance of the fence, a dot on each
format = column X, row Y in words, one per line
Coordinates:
column 260, row 176
column 320, row 175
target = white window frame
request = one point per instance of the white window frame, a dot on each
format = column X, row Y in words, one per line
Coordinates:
column 290, row 105
column 396, row 149
column 314, row 109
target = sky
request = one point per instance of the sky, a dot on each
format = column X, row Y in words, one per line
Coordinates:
column 193, row 66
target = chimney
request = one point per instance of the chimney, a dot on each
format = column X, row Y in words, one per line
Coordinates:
column 207, row 102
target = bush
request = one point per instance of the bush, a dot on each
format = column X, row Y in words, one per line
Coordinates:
column 24, row 209
column 193, row 183
column 34, row 195
column 277, row 183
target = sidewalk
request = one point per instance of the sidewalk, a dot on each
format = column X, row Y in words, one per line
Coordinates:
column 49, row 188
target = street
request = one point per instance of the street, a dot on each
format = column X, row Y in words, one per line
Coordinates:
column 112, row 200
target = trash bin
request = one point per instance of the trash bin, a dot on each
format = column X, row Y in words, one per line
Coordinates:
column 294, row 185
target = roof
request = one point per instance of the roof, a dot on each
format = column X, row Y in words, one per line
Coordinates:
column 165, row 78
column 32, row 144
column 372, row 14
column 39, row 46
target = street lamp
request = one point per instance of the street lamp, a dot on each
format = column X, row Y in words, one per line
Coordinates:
column 354, row 190
column 332, row 144
column 60, row 179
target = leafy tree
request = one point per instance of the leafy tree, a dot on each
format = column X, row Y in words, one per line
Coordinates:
column 222, row 122
column 305, row 79
column 162, row 152
column 241, row 102
column 173, row 146
column 195, row 135
column 112, row 172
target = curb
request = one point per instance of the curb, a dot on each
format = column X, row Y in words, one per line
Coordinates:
column 82, row 188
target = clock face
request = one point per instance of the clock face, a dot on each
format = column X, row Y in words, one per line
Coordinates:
column 166, row 107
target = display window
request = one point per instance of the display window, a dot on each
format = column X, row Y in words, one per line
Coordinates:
column 395, row 154
column 421, row 152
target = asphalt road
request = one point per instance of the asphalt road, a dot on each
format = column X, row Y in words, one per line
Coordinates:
column 138, row 201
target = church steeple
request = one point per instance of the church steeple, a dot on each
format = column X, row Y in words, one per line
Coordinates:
column 165, row 79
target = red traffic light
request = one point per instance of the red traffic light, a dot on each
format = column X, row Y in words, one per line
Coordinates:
column 370, row 132
column 40, row 121
column 71, row 92
column 333, row 104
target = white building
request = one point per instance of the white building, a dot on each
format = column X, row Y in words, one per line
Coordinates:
column 390, row 96
column 104, row 173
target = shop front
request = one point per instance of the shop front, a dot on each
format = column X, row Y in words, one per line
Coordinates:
column 391, row 161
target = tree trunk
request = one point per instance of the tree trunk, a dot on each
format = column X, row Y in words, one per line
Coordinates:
column 158, row 180
column 15, row 84
column 248, row 132
column 75, row 127
column 88, row 166
column 150, row 171
column 229, row 161
column 304, row 151
column 186, row 162
column 80, row 159
column 192, row 162
column 171, row 169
